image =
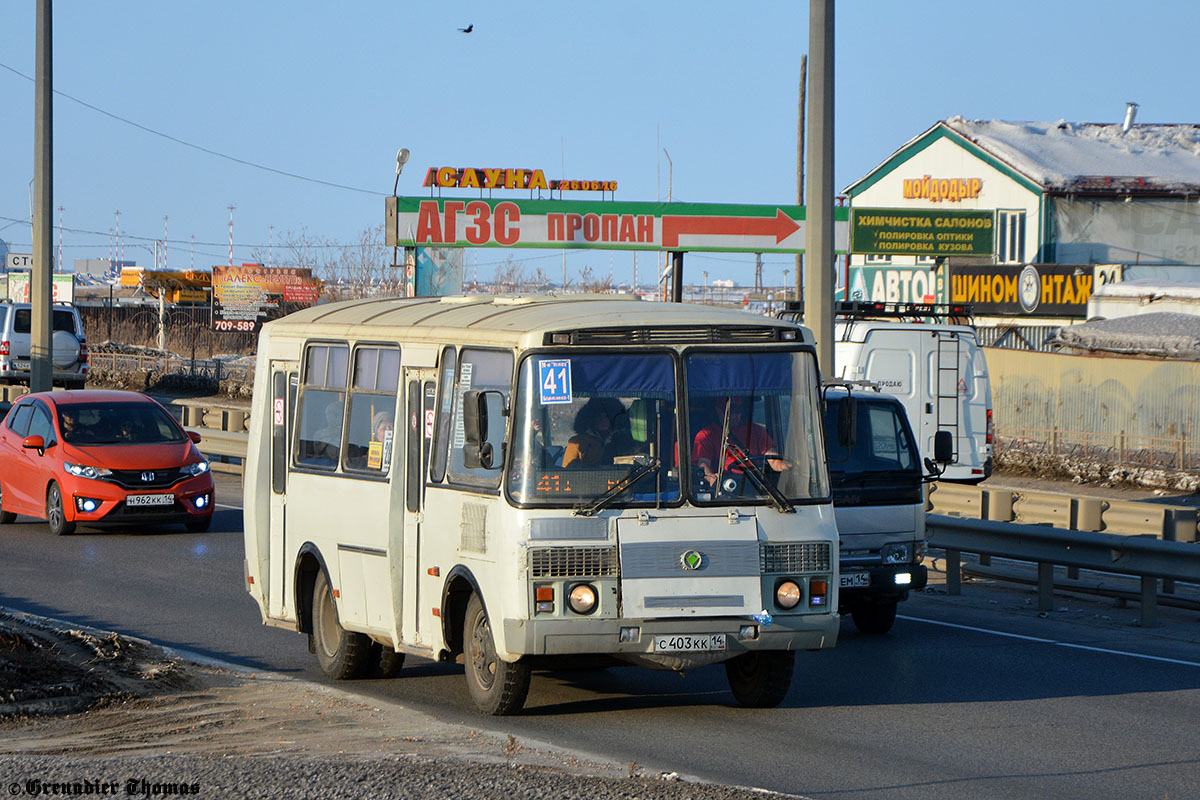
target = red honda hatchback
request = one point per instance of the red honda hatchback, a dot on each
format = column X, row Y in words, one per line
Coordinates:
column 101, row 458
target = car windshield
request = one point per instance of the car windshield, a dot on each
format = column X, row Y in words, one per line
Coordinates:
column 117, row 423
column 754, row 429
column 585, row 424
column 882, row 440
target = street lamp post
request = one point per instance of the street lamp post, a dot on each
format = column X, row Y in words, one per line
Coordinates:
column 401, row 159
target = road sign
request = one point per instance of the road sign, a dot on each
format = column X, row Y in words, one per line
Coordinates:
column 18, row 261
column 461, row 222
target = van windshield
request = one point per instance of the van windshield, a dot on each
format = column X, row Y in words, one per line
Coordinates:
column 883, row 440
column 586, row 423
column 117, row 423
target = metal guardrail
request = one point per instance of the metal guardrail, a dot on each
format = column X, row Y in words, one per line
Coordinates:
column 1145, row 558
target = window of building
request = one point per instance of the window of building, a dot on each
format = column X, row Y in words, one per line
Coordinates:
column 322, row 405
column 877, row 260
column 1010, row 236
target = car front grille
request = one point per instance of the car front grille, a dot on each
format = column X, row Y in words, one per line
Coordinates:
column 137, row 479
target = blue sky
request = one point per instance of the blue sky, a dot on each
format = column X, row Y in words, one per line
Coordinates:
column 588, row 90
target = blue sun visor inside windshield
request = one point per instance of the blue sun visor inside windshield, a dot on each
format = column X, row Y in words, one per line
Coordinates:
column 649, row 376
column 739, row 373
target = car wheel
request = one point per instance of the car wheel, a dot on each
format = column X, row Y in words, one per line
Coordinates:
column 761, row 678
column 875, row 619
column 342, row 654
column 199, row 524
column 498, row 687
column 56, row 515
column 6, row 517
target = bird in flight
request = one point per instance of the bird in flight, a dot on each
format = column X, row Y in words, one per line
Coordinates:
column 467, row 29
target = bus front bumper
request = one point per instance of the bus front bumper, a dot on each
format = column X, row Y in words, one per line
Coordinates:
column 592, row 636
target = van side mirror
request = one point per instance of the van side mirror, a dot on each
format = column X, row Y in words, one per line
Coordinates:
column 478, row 452
column 847, row 422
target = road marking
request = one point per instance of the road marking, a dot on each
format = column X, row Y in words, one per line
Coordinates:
column 1040, row 640
column 225, row 505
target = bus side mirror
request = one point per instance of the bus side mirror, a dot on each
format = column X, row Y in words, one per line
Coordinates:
column 943, row 447
column 847, row 422
column 478, row 452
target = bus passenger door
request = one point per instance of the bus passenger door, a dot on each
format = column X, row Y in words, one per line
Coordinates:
column 419, row 399
column 284, row 383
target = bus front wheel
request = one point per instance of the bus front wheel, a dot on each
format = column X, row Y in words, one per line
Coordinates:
column 498, row 687
column 760, row 678
column 342, row 654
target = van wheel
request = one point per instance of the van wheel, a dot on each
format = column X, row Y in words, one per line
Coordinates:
column 6, row 517
column 342, row 654
column 55, row 514
column 874, row 618
column 761, row 678
column 498, row 687
column 389, row 663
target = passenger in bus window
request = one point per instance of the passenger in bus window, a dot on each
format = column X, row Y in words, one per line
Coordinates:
column 602, row 433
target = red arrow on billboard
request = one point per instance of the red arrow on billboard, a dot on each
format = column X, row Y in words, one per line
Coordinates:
column 781, row 227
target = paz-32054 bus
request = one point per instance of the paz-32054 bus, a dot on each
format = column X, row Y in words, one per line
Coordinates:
column 515, row 481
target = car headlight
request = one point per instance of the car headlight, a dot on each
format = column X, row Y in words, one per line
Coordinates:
column 897, row 553
column 199, row 468
column 81, row 471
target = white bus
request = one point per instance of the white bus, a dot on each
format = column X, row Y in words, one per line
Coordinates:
column 532, row 505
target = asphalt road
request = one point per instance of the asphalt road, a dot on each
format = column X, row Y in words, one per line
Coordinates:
column 967, row 697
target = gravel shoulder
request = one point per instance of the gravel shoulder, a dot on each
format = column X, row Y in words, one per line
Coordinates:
column 79, row 705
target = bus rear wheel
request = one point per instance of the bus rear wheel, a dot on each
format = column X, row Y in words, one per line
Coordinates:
column 342, row 654
column 761, row 678
column 498, row 687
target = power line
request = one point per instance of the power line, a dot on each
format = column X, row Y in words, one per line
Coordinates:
column 151, row 239
column 177, row 140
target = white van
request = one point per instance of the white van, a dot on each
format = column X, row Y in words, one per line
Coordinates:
column 937, row 370
column 553, row 487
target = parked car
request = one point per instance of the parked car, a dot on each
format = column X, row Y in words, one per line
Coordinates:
column 68, row 344
column 101, row 458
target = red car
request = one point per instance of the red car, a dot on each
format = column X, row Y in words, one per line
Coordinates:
column 101, row 458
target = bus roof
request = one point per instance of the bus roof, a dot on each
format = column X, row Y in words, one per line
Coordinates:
column 514, row 319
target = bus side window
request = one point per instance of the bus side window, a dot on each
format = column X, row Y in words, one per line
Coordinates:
column 441, row 437
column 322, row 405
column 369, row 435
column 490, row 371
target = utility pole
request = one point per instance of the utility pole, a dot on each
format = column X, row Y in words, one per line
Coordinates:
column 800, row 169
column 41, row 281
column 818, row 299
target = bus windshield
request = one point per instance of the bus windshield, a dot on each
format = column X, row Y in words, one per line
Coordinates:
column 754, row 428
column 586, row 423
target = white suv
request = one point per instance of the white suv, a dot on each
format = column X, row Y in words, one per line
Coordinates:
column 68, row 344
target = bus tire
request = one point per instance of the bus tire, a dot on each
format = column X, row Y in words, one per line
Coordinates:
column 874, row 619
column 389, row 663
column 498, row 687
column 760, row 678
column 56, row 515
column 342, row 654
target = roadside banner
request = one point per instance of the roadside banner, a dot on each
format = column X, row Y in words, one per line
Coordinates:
column 18, row 288
column 247, row 296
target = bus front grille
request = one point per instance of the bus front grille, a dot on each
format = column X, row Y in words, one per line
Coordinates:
column 795, row 557
column 573, row 562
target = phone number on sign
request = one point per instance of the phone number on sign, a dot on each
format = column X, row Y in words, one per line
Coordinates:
column 233, row 325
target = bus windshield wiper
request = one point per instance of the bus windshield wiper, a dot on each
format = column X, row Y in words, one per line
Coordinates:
column 646, row 465
column 760, row 480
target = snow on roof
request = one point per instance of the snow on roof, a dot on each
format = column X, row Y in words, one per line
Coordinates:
column 1150, row 289
column 1158, row 333
column 1093, row 156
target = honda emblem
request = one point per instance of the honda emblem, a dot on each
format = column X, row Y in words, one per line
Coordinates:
column 147, row 476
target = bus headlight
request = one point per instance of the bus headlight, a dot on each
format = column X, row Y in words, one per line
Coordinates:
column 582, row 598
column 788, row 594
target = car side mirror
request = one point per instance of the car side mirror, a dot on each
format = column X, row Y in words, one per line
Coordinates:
column 34, row 442
column 847, row 422
column 195, row 437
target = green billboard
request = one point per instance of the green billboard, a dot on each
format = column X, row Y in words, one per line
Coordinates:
column 921, row 232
